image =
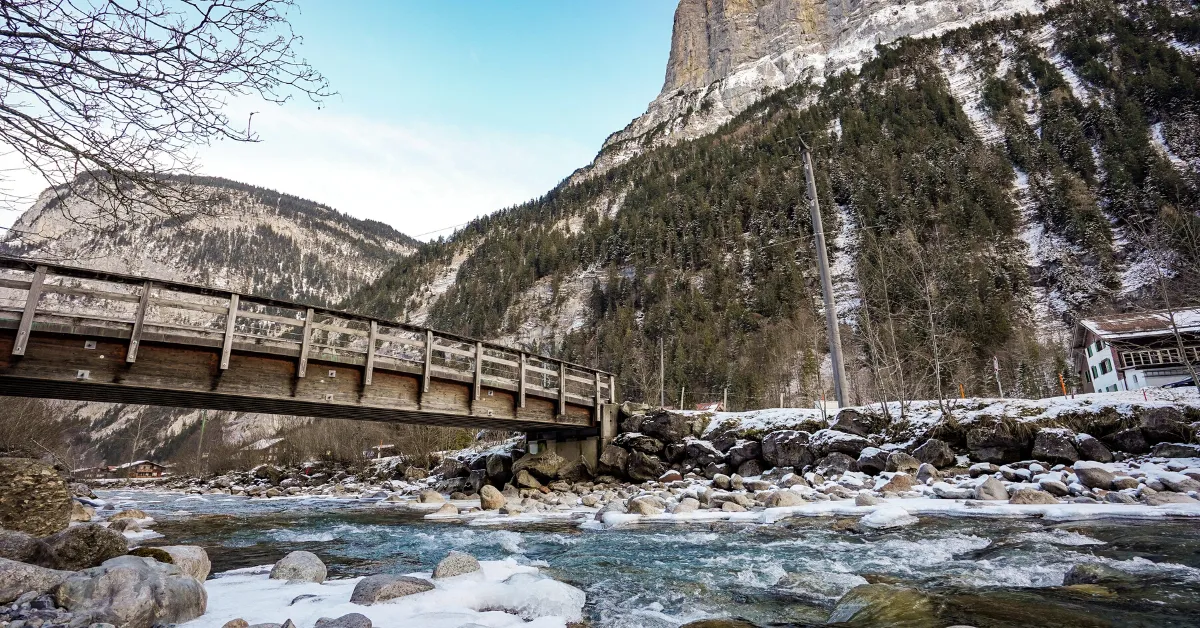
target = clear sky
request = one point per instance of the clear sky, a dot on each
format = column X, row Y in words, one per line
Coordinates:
column 449, row 109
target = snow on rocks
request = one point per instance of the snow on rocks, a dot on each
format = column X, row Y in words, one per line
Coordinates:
column 500, row 593
column 888, row 516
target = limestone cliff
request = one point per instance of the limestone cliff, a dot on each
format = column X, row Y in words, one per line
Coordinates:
column 728, row 54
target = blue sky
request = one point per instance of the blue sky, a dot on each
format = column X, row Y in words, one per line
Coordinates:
column 447, row 109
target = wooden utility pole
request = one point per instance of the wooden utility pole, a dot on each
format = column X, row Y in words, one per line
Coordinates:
column 831, row 321
column 662, row 388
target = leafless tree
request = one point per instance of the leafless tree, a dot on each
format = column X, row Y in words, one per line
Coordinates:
column 112, row 95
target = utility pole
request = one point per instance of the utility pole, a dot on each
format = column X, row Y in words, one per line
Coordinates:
column 831, row 321
column 662, row 389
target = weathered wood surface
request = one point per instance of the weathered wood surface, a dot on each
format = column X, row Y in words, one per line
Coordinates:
column 90, row 335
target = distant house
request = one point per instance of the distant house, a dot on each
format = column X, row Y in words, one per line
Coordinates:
column 712, row 406
column 1134, row 351
column 139, row 469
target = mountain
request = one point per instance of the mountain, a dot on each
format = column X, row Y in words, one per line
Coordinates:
column 983, row 186
column 247, row 239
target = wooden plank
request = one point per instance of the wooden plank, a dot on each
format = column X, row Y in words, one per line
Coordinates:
column 538, row 369
column 597, row 396
column 425, row 371
column 97, row 294
column 342, row 330
column 401, row 340
column 135, row 337
column 495, row 360
column 231, row 315
column 562, row 388
column 581, row 380
column 185, row 305
column 15, row 284
column 369, row 369
column 456, row 351
column 612, row 389
column 31, row 301
column 521, row 384
column 306, row 344
column 475, row 390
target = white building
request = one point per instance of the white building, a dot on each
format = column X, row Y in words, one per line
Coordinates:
column 1132, row 351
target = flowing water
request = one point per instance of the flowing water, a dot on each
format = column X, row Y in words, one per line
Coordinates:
column 983, row 572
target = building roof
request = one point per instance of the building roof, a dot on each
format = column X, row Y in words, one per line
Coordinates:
column 1143, row 324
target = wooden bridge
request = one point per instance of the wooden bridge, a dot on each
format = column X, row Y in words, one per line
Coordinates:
column 70, row 333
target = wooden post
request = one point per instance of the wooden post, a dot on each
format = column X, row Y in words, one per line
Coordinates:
column 521, row 383
column 135, row 336
column 478, row 371
column 428, row 361
column 31, row 301
column 612, row 389
column 370, row 367
column 230, row 319
column 725, row 399
column 305, row 344
column 597, row 401
column 562, row 388
column 831, row 322
column 681, row 391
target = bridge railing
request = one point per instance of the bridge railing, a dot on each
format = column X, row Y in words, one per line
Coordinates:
column 38, row 296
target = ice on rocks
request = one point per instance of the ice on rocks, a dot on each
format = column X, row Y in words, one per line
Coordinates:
column 888, row 516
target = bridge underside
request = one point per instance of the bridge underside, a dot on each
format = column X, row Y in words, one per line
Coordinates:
column 84, row 366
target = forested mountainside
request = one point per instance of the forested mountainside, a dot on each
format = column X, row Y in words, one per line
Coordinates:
column 983, row 188
column 247, row 239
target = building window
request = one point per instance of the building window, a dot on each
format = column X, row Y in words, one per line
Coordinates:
column 1087, row 377
column 1094, row 373
column 1089, row 351
column 1105, row 366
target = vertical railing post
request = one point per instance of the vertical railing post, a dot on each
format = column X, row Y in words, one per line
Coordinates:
column 370, row 367
column 596, row 403
column 306, row 344
column 612, row 389
column 562, row 388
column 521, row 383
column 135, row 336
column 478, row 372
column 31, row 301
column 230, row 320
column 428, row 361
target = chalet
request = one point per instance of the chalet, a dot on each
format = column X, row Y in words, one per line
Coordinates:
column 139, row 469
column 1137, row 350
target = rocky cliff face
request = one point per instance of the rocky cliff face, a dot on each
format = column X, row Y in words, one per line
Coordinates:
column 728, row 54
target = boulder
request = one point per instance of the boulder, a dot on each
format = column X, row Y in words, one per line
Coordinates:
column 81, row 512
column 452, row 468
column 415, row 473
column 787, row 448
column 701, row 453
column 575, row 471
column 884, row 605
column 1167, row 497
column 499, row 467
column 1092, row 475
column 430, row 497
column 349, row 620
column 935, row 452
column 750, row 468
column 25, row 548
column 991, row 489
column 631, row 409
column 640, row 442
column 133, row 592
column 191, row 560
column 852, row 422
column 670, row 476
column 613, row 461
column 713, row 469
column 455, row 564
column 996, row 444
column 1031, row 496
column 1055, row 488
column 18, row 578
column 866, row 499
column 686, row 505
column 1055, row 446
column 299, row 566
column 900, row 483
column 125, row 525
column 525, row 479
column 828, row 441
column 643, row 467
column 646, row 505
column 732, row 507
column 1161, row 425
column 1179, row 482
column 1130, row 441
column 384, row 587
column 927, row 473
column 86, row 545
column 872, row 460
column 447, row 510
column 543, row 466
column 490, row 498
column 1176, row 450
column 666, row 427
column 835, row 463
column 1090, row 448
column 1095, row 573
column 900, row 462
column 476, row 480
column 784, row 499
column 34, row 498
column 744, row 451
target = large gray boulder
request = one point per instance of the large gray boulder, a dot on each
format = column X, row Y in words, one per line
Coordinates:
column 87, row 545
column 996, row 444
column 835, row 463
column 34, row 498
column 935, row 452
column 17, row 579
column 900, row 462
column 787, row 448
column 744, row 451
column 455, row 564
column 299, row 566
column 349, row 620
column 639, row 442
column 544, row 466
column 643, row 467
column 700, row 453
column 491, row 499
column 384, row 587
column 613, row 461
column 825, row 442
column 1161, row 425
column 1055, row 446
column 852, row 422
column 25, row 548
column 872, row 460
column 991, row 489
column 1130, row 441
column 191, row 560
column 1092, row 475
column 1090, row 448
column 577, row 470
column 499, row 467
column 667, row 427
column 1176, row 450
column 133, row 592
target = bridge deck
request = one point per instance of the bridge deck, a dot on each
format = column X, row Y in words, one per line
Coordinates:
column 70, row 333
